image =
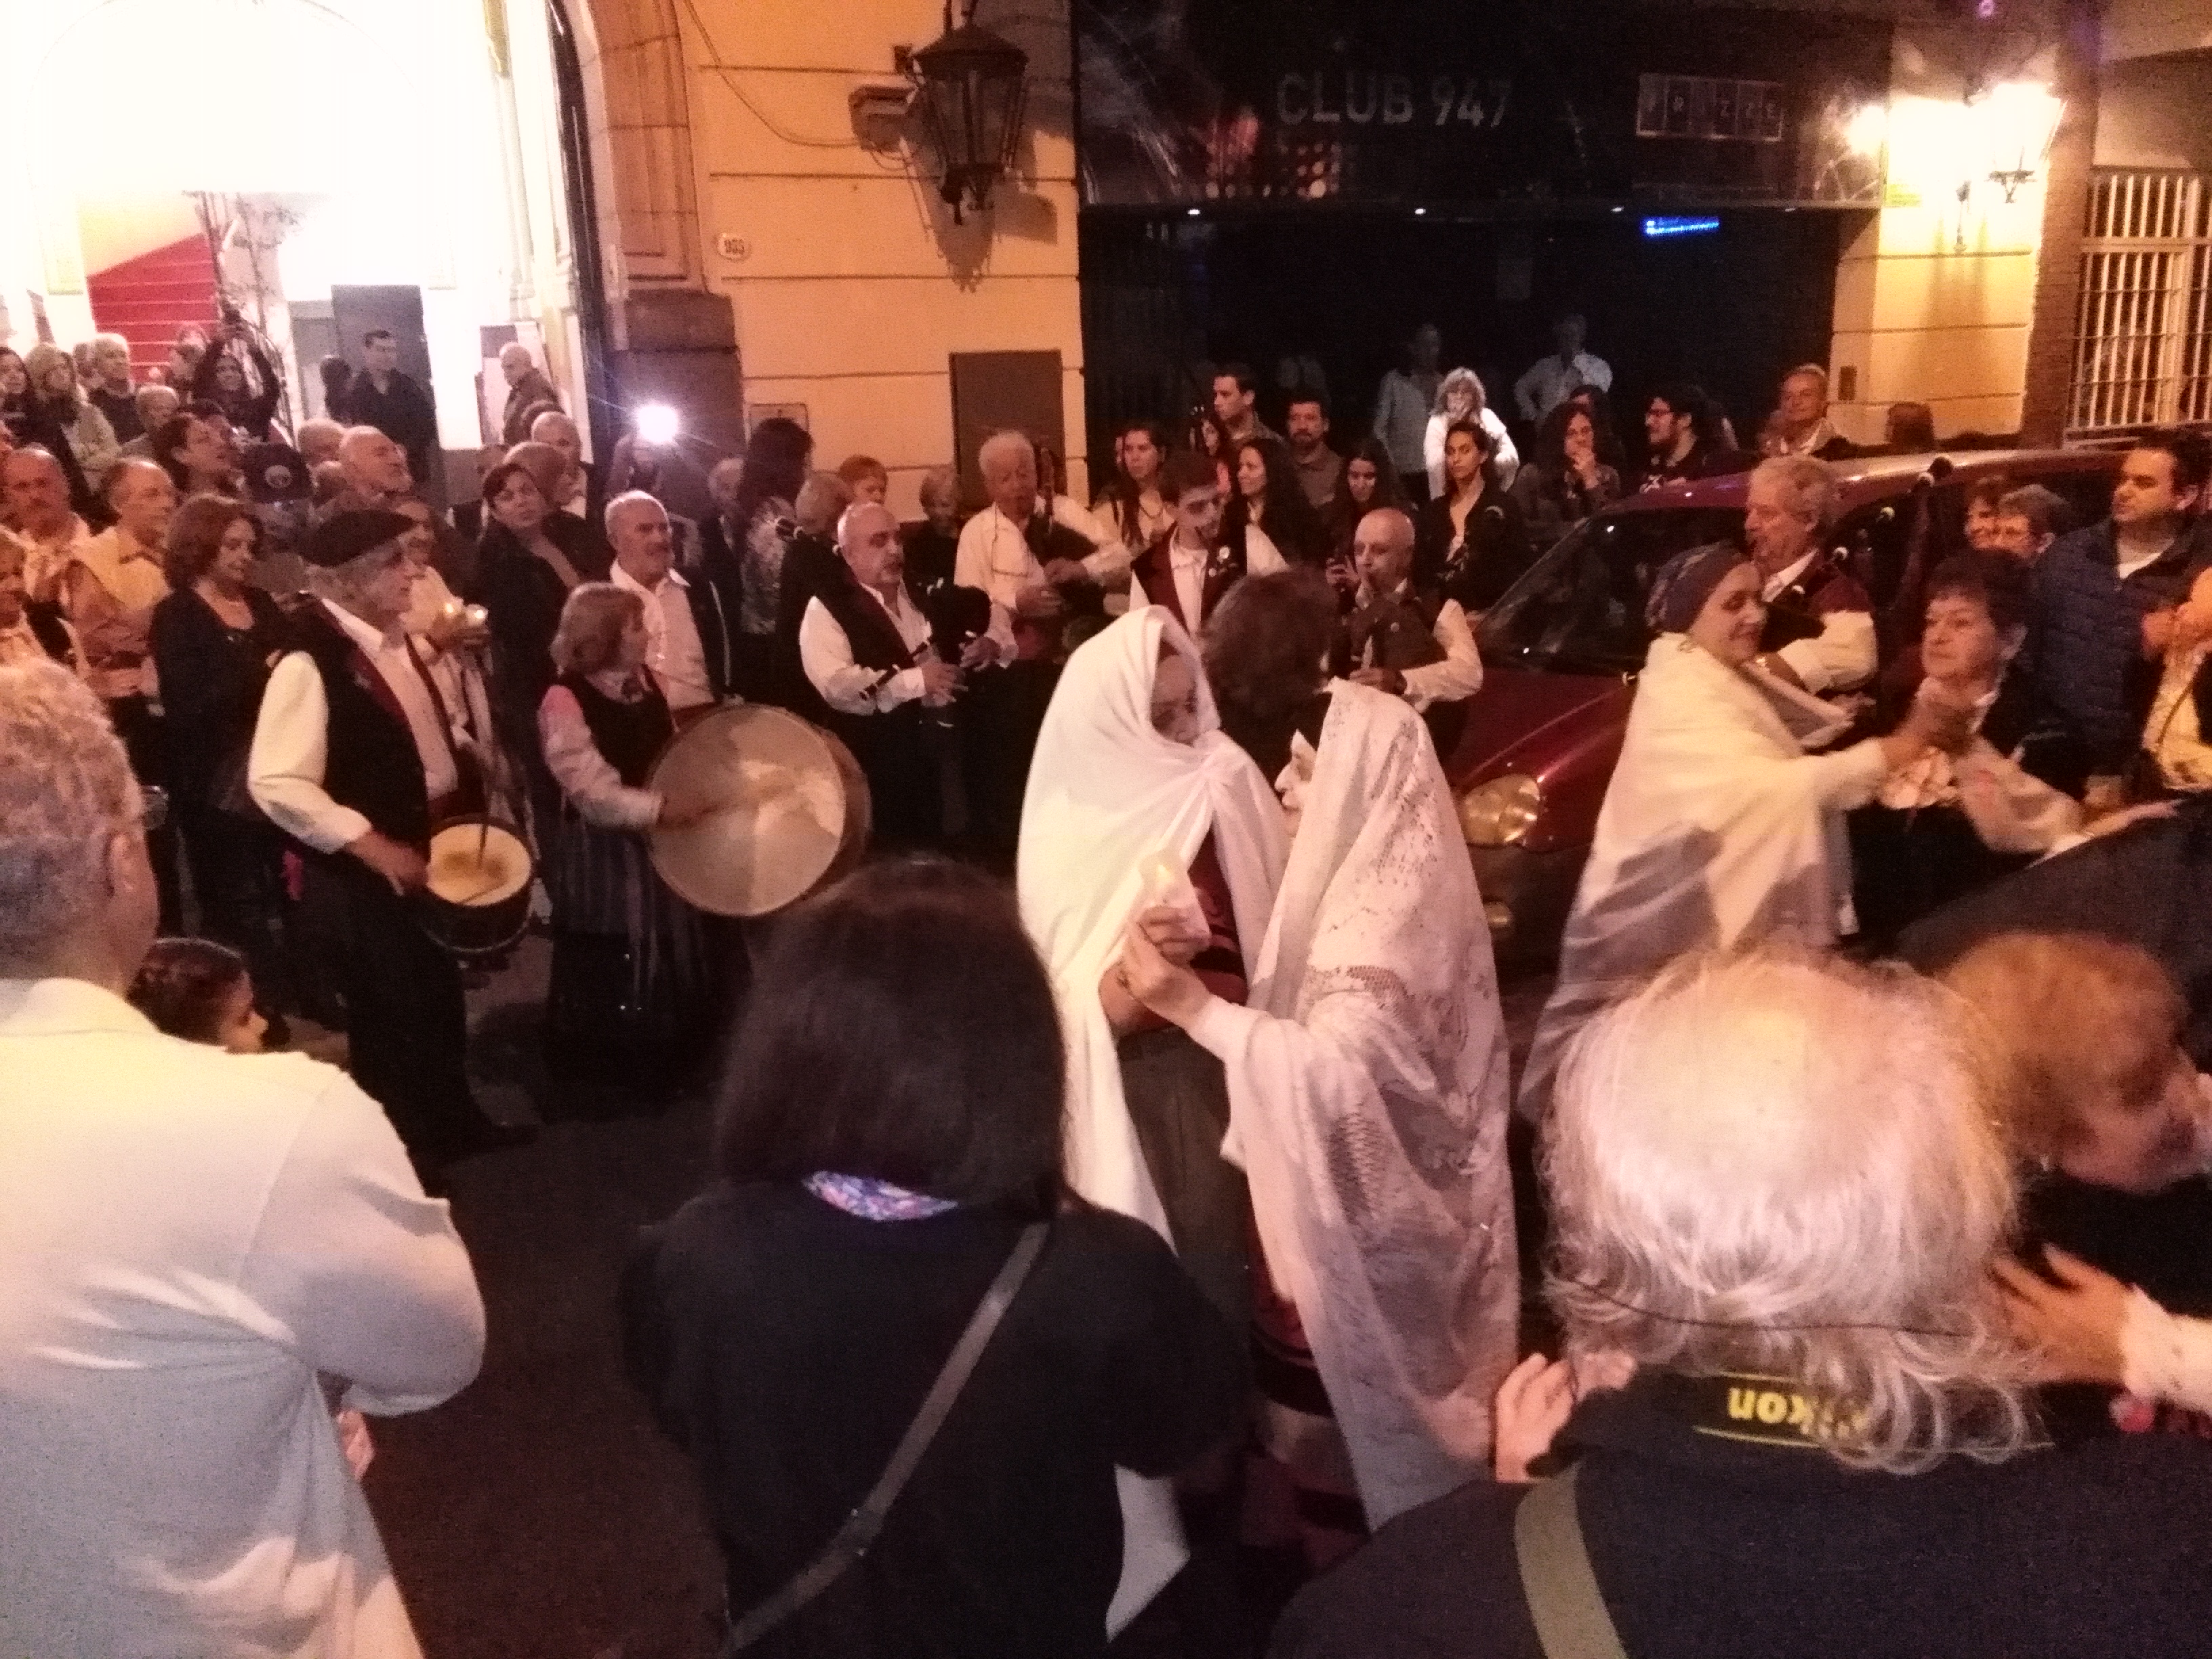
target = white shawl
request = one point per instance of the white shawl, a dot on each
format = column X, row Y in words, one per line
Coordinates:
column 1109, row 795
column 1368, row 1102
column 1717, row 830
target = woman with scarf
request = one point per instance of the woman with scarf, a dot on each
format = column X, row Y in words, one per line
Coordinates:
column 1367, row 1076
column 1720, row 827
column 1136, row 799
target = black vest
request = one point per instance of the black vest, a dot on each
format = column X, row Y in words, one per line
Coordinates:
column 1401, row 627
column 629, row 736
column 48, row 628
column 874, row 639
column 1790, row 614
column 372, row 766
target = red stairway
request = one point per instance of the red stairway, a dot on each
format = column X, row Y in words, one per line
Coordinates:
column 146, row 299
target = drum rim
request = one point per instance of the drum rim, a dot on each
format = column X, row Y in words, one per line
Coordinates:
column 433, row 902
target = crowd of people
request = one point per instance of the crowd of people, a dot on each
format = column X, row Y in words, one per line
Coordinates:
column 1181, row 1217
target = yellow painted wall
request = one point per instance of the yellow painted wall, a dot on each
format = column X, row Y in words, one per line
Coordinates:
column 853, row 286
column 111, row 230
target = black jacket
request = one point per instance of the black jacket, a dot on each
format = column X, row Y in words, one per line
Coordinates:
column 212, row 679
column 1490, row 560
column 523, row 597
column 1707, row 1547
column 786, row 1346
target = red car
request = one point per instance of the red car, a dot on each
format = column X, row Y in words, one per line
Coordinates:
column 1561, row 651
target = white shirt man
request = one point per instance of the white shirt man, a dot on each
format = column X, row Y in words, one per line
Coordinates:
column 195, row 1239
column 1383, row 551
column 1547, row 382
column 642, row 536
column 868, row 539
column 36, row 493
column 994, row 554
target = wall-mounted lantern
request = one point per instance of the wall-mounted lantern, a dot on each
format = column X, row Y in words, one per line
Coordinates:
column 2017, row 119
column 972, row 88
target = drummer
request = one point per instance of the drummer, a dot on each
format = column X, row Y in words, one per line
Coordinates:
column 355, row 757
column 632, row 979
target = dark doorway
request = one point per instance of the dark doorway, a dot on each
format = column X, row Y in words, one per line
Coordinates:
column 583, row 229
column 1731, row 309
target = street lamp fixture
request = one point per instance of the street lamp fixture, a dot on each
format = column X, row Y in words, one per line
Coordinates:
column 972, row 88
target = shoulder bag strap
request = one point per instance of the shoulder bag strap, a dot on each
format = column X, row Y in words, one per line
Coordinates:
column 1564, row 1600
column 862, row 1525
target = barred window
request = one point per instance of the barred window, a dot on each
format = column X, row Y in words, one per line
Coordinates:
column 2142, row 344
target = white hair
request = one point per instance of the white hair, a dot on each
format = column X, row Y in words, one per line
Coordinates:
column 848, row 521
column 822, row 498
column 1461, row 380
column 1007, row 445
column 629, row 498
column 343, row 585
column 1784, row 1164
column 941, row 483
column 1808, row 484
column 66, row 792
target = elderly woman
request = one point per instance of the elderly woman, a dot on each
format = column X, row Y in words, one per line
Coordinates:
column 2114, row 1135
column 631, row 982
column 1778, row 1187
column 1473, row 541
column 56, row 401
column 216, row 638
column 1460, row 396
column 889, row 1140
column 1719, row 827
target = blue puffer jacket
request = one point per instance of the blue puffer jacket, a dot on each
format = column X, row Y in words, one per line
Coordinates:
column 2088, row 637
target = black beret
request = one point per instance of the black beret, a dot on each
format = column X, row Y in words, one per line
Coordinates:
column 345, row 536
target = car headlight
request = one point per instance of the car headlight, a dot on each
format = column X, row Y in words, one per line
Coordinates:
column 1500, row 812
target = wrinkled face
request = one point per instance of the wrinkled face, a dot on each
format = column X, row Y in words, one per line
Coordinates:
column 643, row 546
column 1459, row 403
column 1663, row 426
column 2147, row 491
column 1804, row 401
column 1231, row 403
column 1982, row 524
column 2014, row 534
column 519, row 504
column 559, row 432
column 233, row 554
column 1140, row 457
column 1383, row 550
column 37, row 494
column 513, row 363
column 1308, row 427
column 382, row 356
column 870, row 543
column 1463, row 458
column 1960, row 643
column 1780, row 536
column 1012, row 482
column 2143, row 1134
column 1251, row 474
column 1361, row 479
column 144, row 498
column 112, row 362
column 387, row 593
column 382, row 465
column 1198, row 515
column 1729, row 624
column 1175, row 698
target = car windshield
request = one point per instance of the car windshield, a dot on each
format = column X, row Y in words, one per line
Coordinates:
column 1580, row 608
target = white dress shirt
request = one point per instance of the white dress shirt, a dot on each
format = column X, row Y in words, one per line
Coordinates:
column 1548, row 381
column 827, row 656
column 586, row 777
column 44, row 560
column 1187, row 568
column 1842, row 656
column 291, row 739
column 1455, row 679
column 994, row 555
column 673, row 649
column 191, row 1236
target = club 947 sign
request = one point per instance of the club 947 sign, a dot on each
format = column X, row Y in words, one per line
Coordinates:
column 1194, row 101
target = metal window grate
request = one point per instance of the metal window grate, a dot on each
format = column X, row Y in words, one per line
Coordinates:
column 2143, row 341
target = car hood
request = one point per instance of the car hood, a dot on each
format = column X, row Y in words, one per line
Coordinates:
column 1563, row 729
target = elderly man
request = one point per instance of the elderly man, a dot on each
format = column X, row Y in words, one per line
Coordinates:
column 376, row 473
column 1407, row 641
column 36, row 492
column 1549, row 381
column 527, row 392
column 394, row 402
column 1800, row 423
column 1038, row 560
column 866, row 646
column 154, row 404
column 111, row 391
column 320, row 440
column 1819, row 622
column 199, row 1248
column 2028, row 520
column 1778, row 1192
column 581, row 489
column 29, row 632
column 356, row 758
column 687, row 633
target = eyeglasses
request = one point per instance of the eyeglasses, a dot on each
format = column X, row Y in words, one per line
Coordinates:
column 153, row 807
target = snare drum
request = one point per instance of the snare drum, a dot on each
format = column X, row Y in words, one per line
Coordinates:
column 477, row 902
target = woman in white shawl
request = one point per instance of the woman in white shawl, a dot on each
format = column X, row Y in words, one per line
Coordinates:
column 1718, row 828
column 1367, row 1074
column 1135, row 799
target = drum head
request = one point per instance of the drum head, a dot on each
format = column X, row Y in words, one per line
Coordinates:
column 460, row 875
column 790, row 810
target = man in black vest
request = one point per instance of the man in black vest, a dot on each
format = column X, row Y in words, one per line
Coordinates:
column 354, row 757
column 1409, row 642
column 867, row 649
